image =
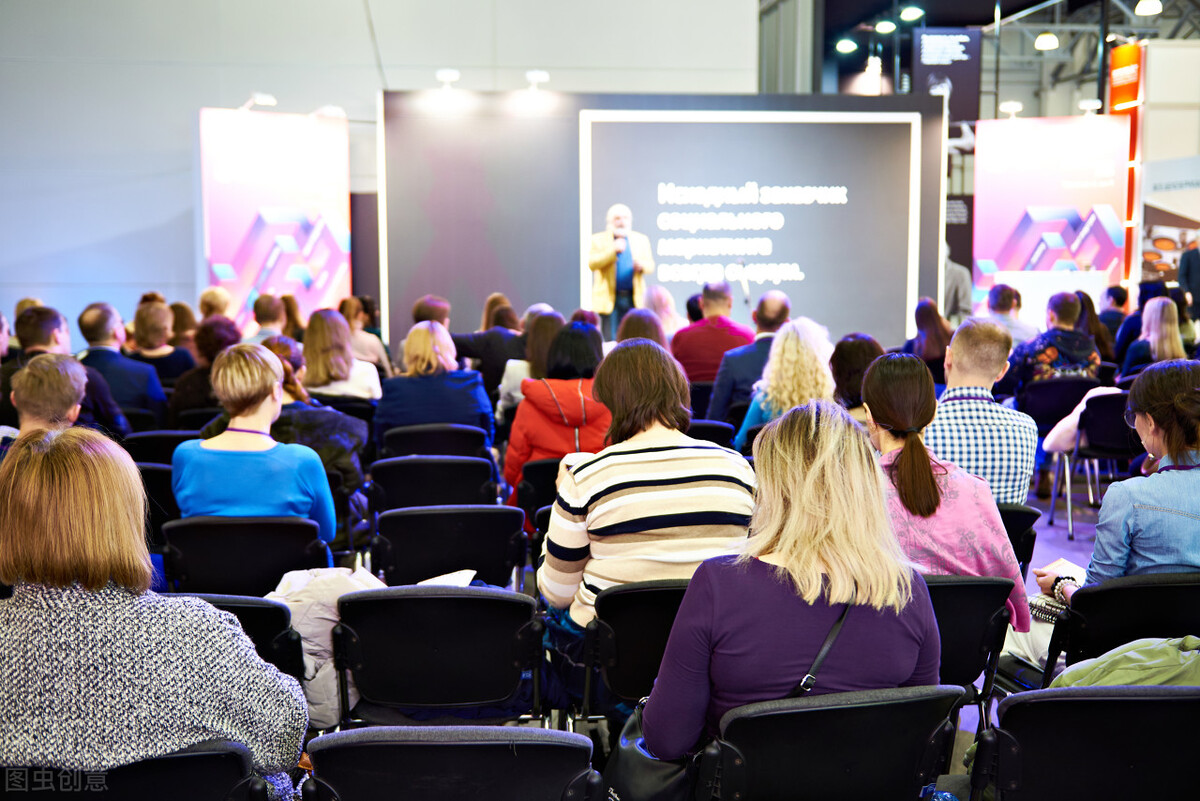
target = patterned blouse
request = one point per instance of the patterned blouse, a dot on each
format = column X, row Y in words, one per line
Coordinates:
column 94, row 680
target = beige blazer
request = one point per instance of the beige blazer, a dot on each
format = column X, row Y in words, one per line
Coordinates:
column 602, row 259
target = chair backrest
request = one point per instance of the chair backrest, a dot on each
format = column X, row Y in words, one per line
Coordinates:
column 752, row 435
column 406, row 481
column 541, row 520
column 972, row 620
column 701, row 392
column 1127, row 380
column 214, row 770
column 268, row 624
column 1018, row 521
column 196, row 419
column 1108, row 374
column 712, row 431
column 1091, row 742
column 630, row 631
column 437, row 647
column 156, row 447
column 737, row 413
column 1103, row 423
column 140, row 419
column 875, row 744
column 355, row 407
column 1051, row 400
column 541, row 476
column 239, row 555
column 435, row 439
column 422, row 542
column 160, row 497
column 452, row 763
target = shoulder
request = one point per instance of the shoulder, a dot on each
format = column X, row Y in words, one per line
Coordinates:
column 188, row 449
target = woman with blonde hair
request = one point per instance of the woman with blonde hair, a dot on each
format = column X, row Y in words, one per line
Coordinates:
column 659, row 301
column 433, row 389
column 1160, row 340
column 332, row 368
column 214, row 301
column 72, row 511
column 153, row 325
column 750, row 626
column 795, row 373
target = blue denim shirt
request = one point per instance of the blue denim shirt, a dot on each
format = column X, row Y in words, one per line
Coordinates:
column 1149, row 524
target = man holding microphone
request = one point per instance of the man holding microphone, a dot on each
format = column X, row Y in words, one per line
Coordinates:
column 620, row 258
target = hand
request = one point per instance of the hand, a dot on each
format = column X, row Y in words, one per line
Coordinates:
column 1045, row 581
column 638, row 268
column 620, row 243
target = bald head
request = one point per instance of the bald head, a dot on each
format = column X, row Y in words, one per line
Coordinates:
column 774, row 309
column 101, row 324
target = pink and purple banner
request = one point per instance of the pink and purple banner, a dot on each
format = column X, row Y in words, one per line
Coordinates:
column 275, row 194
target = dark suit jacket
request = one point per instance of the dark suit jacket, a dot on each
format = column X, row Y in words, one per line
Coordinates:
column 493, row 348
column 1189, row 277
column 97, row 410
column 134, row 384
column 738, row 371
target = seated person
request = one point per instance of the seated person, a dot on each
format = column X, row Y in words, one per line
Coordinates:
column 851, row 357
column 494, row 347
column 750, row 625
column 332, row 368
column 1113, row 312
column 1131, row 326
column 432, row 389
column 98, row 671
column 134, row 385
column 243, row 471
column 700, row 346
column 944, row 518
column 365, row 345
column 1159, row 341
column 540, row 330
column 933, row 335
column 153, row 325
column 742, row 367
column 47, row 394
column 193, row 389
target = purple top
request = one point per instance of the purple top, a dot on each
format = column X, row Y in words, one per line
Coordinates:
column 743, row 635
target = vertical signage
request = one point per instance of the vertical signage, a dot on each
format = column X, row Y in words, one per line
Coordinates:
column 1126, row 83
column 947, row 62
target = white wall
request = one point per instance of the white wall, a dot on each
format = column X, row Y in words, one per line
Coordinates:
column 1171, row 127
column 100, row 99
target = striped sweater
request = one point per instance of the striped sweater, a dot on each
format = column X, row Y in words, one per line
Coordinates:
column 642, row 510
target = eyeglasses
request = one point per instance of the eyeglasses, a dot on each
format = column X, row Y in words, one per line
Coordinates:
column 1130, row 418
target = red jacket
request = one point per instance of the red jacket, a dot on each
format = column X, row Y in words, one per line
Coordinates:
column 557, row 417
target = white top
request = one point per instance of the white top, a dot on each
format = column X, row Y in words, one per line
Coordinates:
column 362, row 383
column 515, row 371
column 369, row 348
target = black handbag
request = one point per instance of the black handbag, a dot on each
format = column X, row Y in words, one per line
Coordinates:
column 633, row 774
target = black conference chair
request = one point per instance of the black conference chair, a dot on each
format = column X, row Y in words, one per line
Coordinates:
column 355, row 407
column 1098, row 743
column 156, row 447
column 452, row 763
column 160, row 498
column 627, row 638
column 538, row 486
column 1104, row 616
column 1018, row 521
column 436, row 439
column 239, row 555
column 751, row 435
column 701, row 393
column 1126, row 381
column 268, row 624
column 876, row 744
column 422, row 542
column 1051, row 400
column 405, row 481
column 196, row 419
column 1108, row 438
column 712, row 431
column 140, row 419
column 437, row 649
column 972, row 621
column 216, row 770
column 1108, row 374
column 737, row 413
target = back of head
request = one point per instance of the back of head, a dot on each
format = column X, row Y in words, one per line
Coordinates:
column 899, row 393
column 1001, row 298
column 214, row 335
column 72, row 509
column 36, row 326
column 533, row 312
column 1177, row 295
column 794, row 373
column 575, row 352
column 584, row 316
column 327, row 348
column 26, row 303
column 933, row 331
column 641, row 324
column 245, row 375
column 1160, row 327
column 820, row 509
column 183, row 319
column 538, row 335
column 153, row 324
column 152, row 297
column 851, row 356
column 268, row 310
column 48, row 388
column 1169, row 392
column 291, row 359
column 489, row 306
column 1066, row 308
column 98, row 322
column 428, row 349
column 716, row 297
column 642, row 384
column 1118, row 294
column 980, row 348
column 773, row 310
column 370, row 308
column 659, row 301
column 213, row 301
column 505, row 317
column 1088, row 320
column 1148, row 290
column 350, row 308
column 294, row 326
column 431, row 307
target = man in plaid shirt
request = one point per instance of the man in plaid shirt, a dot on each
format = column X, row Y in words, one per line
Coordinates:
column 973, row 431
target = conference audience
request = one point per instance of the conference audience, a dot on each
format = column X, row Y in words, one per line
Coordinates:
column 14, row 342
column 933, row 335
column 293, row 327
column 193, row 389
column 559, row 414
column 1187, row 326
column 134, row 385
column 366, row 346
column 700, row 346
column 540, row 331
column 1112, row 314
column 214, row 302
column 1089, row 323
column 1131, row 327
column 970, row 429
column 270, row 313
column 750, row 625
column 44, row 330
column 794, row 375
column 47, row 394
column 153, row 324
column 945, row 519
column 503, row 340
column 97, row 671
column 1003, row 307
column 851, row 357
column 742, row 367
column 432, row 389
column 492, row 302
column 1159, row 341
column 183, row 329
column 332, row 368
column 1059, row 352
column 660, row 301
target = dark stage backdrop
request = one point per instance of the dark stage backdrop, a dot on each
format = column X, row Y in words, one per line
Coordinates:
column 836, row 200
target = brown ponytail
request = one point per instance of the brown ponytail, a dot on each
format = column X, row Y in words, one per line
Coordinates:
column 292, row 357
column 1169, row 392
column 898, row 388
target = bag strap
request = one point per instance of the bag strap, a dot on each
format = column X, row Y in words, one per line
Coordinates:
column 810, row 678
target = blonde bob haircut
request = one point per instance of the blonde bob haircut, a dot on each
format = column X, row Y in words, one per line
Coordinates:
column 72, row 509
column 428, row 349
column 243, row 376
column 820, row 509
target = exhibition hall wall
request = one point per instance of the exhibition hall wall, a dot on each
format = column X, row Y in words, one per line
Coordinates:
column 98, row 178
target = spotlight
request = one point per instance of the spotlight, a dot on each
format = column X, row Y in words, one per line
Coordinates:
column 1012, row 108
column 885, row 26
column 536, row 77
column 846, row 46
column 329, row 111
column 911, row 13
column 1045, row 40
column 447, row 77
column 1090, row 105
column 1148, row 8
column 260, row 99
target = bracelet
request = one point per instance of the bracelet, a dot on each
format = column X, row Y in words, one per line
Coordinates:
column 1056, row 589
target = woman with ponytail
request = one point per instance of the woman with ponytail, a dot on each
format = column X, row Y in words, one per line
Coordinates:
column 944, row 518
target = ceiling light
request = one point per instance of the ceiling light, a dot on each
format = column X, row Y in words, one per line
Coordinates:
column 329, row 111
column 846, row 46
column 885, row 26
column 1046, row 40
column 536, row 77
column 1012, row 108
column 447, row 76
column 911, row 13
column 1148, row 8
column 1090, row 105
column 260, row 99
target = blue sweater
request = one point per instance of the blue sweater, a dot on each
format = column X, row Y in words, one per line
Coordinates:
column 285, row 481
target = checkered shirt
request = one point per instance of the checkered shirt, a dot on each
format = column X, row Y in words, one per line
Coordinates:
column 985, row 439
